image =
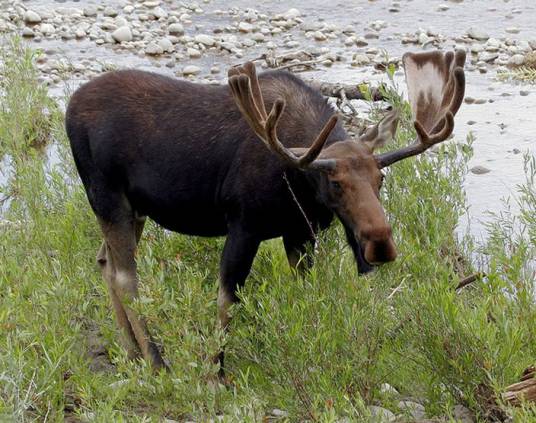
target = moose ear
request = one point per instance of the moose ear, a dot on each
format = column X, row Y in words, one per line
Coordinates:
column 378, row 135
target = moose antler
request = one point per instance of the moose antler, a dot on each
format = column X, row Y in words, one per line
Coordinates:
column 248, row 96
column 436, row 86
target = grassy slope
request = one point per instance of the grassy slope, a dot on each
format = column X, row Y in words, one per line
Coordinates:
column 318, row 348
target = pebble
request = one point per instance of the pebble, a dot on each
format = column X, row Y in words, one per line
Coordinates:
column 110, row 11
column 319, row 36
column 28, row 32
column 90, row 11
column 166, row 45
column 380, row 414
column 524, row 93
column 32, row 17
column 193, row 53
column 463, row 414
column 153, row 49
column 292, row 14
column 476, row 34
column 278, row 413
column 516, row 60
column 360, row 59
column 487, row 56
column 47, row 29
column 245, row 27
column 122, row 34
column 191, row 70
column 414, row 409
column 176, row 29
column 385, row 388
column 204, row 39
column 477, row 170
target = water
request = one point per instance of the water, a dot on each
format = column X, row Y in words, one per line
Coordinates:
column 503, row 125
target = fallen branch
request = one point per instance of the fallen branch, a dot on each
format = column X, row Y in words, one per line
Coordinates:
column 469, row 280
column 522, row 391
column 343, row 91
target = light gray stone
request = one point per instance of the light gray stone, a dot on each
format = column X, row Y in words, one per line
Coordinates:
column 32, row 17
column 463, row 414
column 47, row 29
column 191, row 70
column 153, row 49
column 245, row 27
column 204, row 39
column 477, row 34
column 122, row 34
column 176, row 29
column 380, row 414
column 477, row 170
column 414, row 409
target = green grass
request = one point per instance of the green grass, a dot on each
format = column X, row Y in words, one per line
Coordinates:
column 318, row 348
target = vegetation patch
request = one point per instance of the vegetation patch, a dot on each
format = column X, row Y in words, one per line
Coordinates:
column 319, row 348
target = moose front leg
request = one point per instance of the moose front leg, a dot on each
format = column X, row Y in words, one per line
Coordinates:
column 299, row 250
column 237, row 257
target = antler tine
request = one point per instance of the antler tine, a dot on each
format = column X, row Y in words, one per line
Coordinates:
column 250, row 71
column 246, row 91
column 318, row 144
column 429, row 76
column 239, row 89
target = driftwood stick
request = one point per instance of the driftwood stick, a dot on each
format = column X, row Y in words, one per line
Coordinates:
column 522, row 391
column 469, row 280
column 351, row 91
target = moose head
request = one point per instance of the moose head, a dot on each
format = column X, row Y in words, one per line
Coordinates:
column 348, row 173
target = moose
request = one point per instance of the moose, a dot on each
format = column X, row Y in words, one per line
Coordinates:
column 188, row 156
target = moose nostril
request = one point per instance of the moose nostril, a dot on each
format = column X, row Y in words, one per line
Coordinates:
column 378, row 252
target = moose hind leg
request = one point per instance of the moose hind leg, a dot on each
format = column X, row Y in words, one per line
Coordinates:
column 120, row 239
column 237, row 257
column 129, row 339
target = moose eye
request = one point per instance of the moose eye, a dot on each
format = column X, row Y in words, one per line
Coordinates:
column 335, row 185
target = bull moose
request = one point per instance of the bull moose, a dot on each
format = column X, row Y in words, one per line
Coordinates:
column 188, row 156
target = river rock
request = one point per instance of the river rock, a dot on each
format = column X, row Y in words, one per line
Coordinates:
column 193, row 53
column 159, row 13
column 90, row 11
column 385, row 388
column 414, row 409
column 292, row 13
column 32, row 17
column 204, row 39
column 478, row 170
column 463, row 414
column 477, row 34
column 166, row 45
column 487, row 56
column 245, row 27
column 513, row 30
column 380, row 414
column 47, row 29
column 176, row 29
column 110, row 11
column 28, row 32
column 153, row 49
column 516, row 60
column 191, row 70
column 360, row 59
column 122, row 34
column 319, row 36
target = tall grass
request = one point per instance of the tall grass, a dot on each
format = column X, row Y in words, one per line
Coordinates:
column 317, row 348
